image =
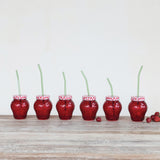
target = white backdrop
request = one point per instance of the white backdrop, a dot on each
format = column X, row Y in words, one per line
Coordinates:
column 104, row 38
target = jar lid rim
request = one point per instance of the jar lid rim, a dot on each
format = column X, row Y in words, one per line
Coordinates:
column 137, row 98
column 65, row 97
column 112, row 98
column 19, row 97
column 40, row 97
column 89, row 98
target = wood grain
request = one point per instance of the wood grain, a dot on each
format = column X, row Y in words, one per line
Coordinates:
column 76, row 139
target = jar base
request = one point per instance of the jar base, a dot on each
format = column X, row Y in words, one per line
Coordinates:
column 88, row 119
column 65, row 118
column 43, row 118
column 20, row 118
column 137, row 120
column 112, row 119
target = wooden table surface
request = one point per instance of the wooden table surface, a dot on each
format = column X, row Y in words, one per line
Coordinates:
column 76, row 139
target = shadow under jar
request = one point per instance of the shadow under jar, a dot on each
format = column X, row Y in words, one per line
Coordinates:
column 89, row 107
column 112, row 108
column 65, row 107
column 19, row 107
column 42, row 107
column 137, row 108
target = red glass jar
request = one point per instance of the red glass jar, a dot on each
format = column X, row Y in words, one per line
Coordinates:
column 43, row 107
column 19, row 107
column 137, row 108
column 112, row 108
column 65, row 107
column 89, row 107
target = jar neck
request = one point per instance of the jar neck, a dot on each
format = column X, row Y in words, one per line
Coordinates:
column 112, row 100
column 19, row 99
column 89, row 100
column 137, row 101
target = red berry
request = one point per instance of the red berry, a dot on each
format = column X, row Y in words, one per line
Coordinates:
column 148, row 120
column 156, row 114
column 152, row 117
column 98, row 119
column 157, row 119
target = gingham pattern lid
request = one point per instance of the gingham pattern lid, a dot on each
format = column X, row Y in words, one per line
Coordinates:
column 135, row 98
column 42, row 97
column 63, row 97
column 89, row 98
column 19, row 97
column 114, row 98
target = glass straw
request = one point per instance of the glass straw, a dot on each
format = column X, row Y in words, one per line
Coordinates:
column 86, row 82
column 18, row 81
column 42, row 87
column 65, row 89
column 139, row 73
column 110, row 86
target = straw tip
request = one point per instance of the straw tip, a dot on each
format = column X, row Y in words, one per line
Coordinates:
column 82, row 72
column 39, row 66
column 108, row 80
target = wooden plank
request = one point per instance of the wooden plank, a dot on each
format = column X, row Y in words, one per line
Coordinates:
column 34, row 139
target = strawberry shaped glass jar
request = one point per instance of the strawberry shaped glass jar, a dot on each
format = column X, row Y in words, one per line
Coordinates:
column 137, row 108
column 65, row 107
column 112, row 108
column 19, row 107
column 89, row 107
column 43, row 107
